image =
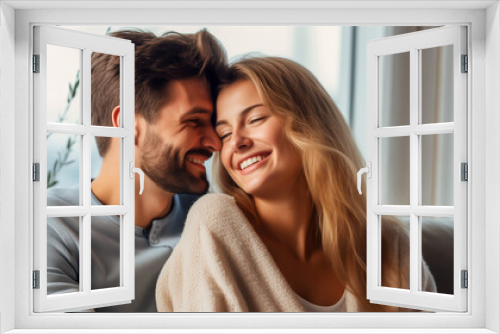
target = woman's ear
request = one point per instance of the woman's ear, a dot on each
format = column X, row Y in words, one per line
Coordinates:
column 115, row 117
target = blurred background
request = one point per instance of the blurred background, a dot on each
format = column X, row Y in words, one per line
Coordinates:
column 337, row 57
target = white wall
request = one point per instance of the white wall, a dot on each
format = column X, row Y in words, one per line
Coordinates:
column 282, row 16
column 7, row 189
column 492, row 157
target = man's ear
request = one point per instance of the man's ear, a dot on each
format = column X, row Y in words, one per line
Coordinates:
column 138, row 127
column 115, row 117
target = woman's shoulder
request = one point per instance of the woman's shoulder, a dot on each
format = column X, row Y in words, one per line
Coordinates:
column 215, row 198
column 395, row 236
column 216, row 212
column 395, row 229
column 214, row 205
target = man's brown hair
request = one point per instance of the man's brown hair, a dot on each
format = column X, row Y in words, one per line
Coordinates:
column 158, row 60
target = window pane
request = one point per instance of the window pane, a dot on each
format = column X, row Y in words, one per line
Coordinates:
column 437, row 169
column 437, row 250
column 395, row 171
column 63, row 169
column 63, row 255
column 63, row 85
column 394, row 98
column 106, row 251
column 106, row 93
column 437, row 84
column 102, row 180
column 395, row 261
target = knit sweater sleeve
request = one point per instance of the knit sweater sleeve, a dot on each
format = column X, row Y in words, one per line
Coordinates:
column 197, row 276
column 220, row 264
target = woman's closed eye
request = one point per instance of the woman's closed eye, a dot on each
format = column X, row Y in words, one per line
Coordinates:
column 224, row 135
column 257, row 119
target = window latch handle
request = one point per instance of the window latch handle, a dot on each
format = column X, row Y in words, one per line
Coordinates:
column 133, row 170
column 368, row 171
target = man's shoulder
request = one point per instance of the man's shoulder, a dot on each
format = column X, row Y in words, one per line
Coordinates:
column 63, row 196
column 187, row 200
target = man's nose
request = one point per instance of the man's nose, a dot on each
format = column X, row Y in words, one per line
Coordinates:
column 211, row 140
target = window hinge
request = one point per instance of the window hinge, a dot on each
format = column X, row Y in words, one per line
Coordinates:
column 36, row 63
column 36, row 279
column 465, row 64
column 36, row 172
column 465, row 279
column 464, row 171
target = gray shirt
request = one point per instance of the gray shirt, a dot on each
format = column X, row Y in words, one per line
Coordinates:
column 152, row 249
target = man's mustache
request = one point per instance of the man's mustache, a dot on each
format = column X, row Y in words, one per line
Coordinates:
column 200, row 151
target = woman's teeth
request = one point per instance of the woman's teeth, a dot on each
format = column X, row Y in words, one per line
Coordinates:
column 196, row 161
column 250, row 161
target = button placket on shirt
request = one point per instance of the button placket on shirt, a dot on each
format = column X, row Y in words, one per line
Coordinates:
column 153, row 234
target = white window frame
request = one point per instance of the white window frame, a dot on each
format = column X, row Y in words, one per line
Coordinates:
column 483, row 121
column 413, row 44
column 85, row 298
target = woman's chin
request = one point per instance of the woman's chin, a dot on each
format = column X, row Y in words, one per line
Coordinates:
column 258, row 191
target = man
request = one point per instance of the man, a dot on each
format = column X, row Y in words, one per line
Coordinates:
column 176, row 77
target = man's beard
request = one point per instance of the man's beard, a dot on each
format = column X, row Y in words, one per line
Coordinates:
column 165, row 166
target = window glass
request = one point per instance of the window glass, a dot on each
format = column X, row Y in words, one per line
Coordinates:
column 437, row 238
column 96, row 164
column 63, row 85
column 63, row 168
column 437, row 169
column 394, row 92
column 437, row 84
column 395, row 171
column 389, row 277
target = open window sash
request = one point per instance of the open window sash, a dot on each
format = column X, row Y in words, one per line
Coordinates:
column 414, row 44
column 84, row 44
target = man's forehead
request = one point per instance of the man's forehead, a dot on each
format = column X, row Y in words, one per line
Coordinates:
column 193, row 89
column 186, row 97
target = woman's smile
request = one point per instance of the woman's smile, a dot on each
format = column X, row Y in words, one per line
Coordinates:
column 253, row 163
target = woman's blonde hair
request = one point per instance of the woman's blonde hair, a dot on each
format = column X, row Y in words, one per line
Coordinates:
column 330, row 159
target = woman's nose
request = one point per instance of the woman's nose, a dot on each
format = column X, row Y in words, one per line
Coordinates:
column 239, row 141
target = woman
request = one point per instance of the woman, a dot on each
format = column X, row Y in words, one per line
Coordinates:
column 291, row 235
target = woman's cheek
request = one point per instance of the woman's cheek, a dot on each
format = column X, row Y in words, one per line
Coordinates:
column 226, row 162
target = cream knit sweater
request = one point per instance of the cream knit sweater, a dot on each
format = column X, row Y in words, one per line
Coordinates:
column 221, row 265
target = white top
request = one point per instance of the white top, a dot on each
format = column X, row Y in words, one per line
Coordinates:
column 310, row 307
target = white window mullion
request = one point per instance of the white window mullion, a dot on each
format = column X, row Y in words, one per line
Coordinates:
column 128, row 194
column 393, row 131
column 76, row 129
column 460, row 156
column 40, row 156
column 86, row 238
column 372, row 221
column 434, row 129
column 434, row 211
column 422, row 129
column 414, row 169
column 392, row 210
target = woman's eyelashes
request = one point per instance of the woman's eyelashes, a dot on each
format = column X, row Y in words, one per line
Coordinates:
column 224, row 136
column 257, row 119
column 251, row 121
